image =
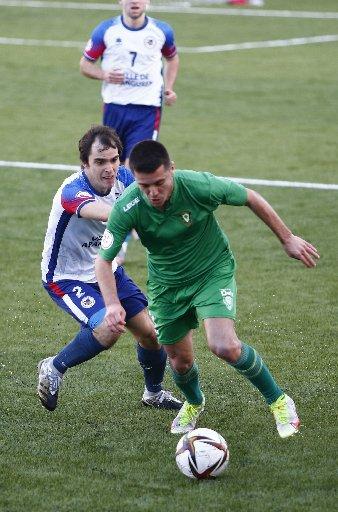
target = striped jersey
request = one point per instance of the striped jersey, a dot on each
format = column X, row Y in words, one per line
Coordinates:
column 72, row 242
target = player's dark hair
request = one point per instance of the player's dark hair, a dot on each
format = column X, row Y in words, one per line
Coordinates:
column 147, row 156
column 107, row 137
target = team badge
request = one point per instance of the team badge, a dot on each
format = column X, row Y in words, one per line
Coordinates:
column 118, row 41
column 228, row 298
column 150, row 42
column 186, row 217
column 87, row 302
column 107, row 239
column 83, row 193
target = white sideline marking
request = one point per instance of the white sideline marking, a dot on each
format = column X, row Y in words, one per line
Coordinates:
column 35, row 165
column 276, row 43
column 246, row 181
column 260, row 44
column 291, row 184
column 16, row 41
column 172, row 8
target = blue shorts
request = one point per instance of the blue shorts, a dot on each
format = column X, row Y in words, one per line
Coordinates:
column 85, row 303
column 133, row 123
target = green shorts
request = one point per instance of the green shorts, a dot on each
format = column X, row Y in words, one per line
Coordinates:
column 176, row 310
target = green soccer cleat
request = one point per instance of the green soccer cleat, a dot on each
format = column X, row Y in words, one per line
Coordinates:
column 186, row 419
column 284, row 411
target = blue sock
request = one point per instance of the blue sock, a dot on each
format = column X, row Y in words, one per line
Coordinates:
column 153, row 364
column 83, row 347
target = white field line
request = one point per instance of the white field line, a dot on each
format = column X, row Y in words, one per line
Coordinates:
column 35, row 165
column 184, row 9
column 277, row 43
column 245, row 181
column 17, row 41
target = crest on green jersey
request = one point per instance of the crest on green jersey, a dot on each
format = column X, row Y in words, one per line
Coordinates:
column 186, row 217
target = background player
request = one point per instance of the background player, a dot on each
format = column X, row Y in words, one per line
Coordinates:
column 131, row 47
column 191, row 272
column 75, row 228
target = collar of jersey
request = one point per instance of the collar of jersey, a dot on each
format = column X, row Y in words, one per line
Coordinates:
column 134, row 29
column 92, row 188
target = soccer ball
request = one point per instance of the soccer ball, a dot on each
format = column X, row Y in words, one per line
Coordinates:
column 202, row 453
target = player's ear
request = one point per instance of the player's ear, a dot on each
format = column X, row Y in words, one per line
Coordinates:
column 172, row 166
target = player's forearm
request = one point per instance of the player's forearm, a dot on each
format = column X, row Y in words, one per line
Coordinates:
column 170, row 72
column 96, row 211
column 90, row 69
column 267, row 214
column 106, row 281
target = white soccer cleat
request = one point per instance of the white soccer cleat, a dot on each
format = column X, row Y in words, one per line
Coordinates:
column 49, row 382
column 284, row 411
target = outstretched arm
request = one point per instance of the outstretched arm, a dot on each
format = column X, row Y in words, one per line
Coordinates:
column 294, row 246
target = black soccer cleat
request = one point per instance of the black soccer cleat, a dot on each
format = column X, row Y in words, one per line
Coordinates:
column 162, row 400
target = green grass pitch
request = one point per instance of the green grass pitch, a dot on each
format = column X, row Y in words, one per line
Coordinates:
column 264, row 113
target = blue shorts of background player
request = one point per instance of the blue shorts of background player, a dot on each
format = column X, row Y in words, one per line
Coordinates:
column 133, row 123
column 84, row 302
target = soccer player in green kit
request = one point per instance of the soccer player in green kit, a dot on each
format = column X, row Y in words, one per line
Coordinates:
column 191, row 273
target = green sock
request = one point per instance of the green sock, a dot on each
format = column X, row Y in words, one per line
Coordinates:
column 251, row 365
column 188, row 383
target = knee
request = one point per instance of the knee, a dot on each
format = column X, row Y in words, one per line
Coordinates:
column 105, row 337
column 181, row 364
column 228, row 349
column 149, row 340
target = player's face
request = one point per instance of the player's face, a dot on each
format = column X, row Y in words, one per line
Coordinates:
column 157, row 186
column 102, row 167
column 134, row 9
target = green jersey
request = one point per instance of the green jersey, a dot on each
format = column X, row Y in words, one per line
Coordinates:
column 184, row 240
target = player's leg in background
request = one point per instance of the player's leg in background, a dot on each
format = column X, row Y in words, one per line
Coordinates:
column 137, row 123
column 116, row 117
column 142, row 123
column 151, row 356
column 152, row 359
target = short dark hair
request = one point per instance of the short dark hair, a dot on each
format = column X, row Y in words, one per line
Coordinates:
column 106, row 136
column 147, row 156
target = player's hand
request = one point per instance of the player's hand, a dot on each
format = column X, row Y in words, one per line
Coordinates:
column 169, row 97
column 115, row 318
column 114, row 76
column 301, row 250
